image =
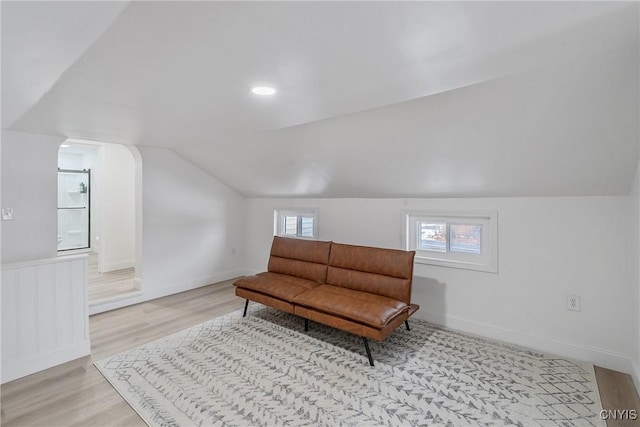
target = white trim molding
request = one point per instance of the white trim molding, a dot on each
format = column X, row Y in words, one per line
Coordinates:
column 158, row 290
column 301, row 213
column 434, row 236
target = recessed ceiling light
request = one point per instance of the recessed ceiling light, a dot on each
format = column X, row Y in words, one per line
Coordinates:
column 263, row 90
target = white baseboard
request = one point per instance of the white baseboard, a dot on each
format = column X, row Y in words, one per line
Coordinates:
column 119, row 301
column 151, row 291
column 118, row 265
column 252, row 272
column 31, row 366
column 600, row 357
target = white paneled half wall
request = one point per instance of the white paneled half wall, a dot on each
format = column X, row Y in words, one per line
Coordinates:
column 45, row 315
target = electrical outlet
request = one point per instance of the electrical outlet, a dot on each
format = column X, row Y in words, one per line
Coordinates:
column 7, row 214
column 573, row 302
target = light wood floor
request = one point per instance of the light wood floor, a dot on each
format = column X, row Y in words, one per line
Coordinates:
column 111, row 284
column 76, row 394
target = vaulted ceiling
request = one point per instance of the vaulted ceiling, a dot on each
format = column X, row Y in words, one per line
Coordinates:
column 374, row 99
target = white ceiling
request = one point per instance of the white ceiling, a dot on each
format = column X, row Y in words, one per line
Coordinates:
column 375, row 99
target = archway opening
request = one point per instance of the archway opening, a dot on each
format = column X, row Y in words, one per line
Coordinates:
column 100, row 213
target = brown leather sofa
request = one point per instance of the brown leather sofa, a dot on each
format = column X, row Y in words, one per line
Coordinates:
column 358, row 289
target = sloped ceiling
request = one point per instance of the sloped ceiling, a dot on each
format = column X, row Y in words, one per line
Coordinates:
column 380, row 99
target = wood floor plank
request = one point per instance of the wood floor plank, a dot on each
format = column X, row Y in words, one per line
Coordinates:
column 618, row 393
column 76, row 394
column 111, row 284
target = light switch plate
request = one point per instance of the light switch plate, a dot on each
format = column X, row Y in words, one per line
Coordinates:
column 7, row 214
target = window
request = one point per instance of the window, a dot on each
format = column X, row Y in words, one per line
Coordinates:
column 296, row 223
column 460, row 240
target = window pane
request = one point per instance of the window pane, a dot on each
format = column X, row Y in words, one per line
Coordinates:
column 290, row 225
column 465, row 238
column 432, row 236
column 307, row 227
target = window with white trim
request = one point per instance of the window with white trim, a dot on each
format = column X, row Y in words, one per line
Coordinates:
column 459, row 240
column 296, row 223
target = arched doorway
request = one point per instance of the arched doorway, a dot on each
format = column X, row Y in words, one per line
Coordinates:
column 114, row 211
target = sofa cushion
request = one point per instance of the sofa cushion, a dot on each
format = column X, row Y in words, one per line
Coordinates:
column 391, row 287
column 276, row 285
column 363, row 307
column 386, row 272
column 306, row 259
column 388, row 262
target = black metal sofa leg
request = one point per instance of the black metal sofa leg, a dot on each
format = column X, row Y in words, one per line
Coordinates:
column 406, row 323
column 366, row 346
column 306, row 325
column 246, row 304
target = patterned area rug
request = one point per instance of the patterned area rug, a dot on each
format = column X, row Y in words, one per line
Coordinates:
column 265, row 370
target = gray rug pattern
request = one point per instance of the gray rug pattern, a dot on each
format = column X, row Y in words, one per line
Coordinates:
column 265, row 370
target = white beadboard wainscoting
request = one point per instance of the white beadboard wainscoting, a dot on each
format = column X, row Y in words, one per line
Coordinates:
column 45, row 314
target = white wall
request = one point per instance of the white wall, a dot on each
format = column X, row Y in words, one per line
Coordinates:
column 29, row 185
column 191, row 223
column 78, row 157
column 117, row 212
column 548, row 248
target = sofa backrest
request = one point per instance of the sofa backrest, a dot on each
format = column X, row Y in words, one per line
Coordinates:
column 387, row 272
column 307, row 259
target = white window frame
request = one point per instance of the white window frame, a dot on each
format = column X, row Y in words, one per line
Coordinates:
column 487, row 261
column 278, row 221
